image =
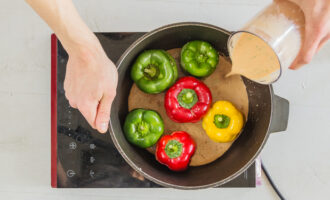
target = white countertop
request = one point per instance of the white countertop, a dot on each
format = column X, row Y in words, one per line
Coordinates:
column 297, row 159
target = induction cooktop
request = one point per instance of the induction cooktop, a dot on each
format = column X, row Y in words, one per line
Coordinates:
column 80, row 156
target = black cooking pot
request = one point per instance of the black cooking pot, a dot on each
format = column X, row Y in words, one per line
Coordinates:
column 267, row 113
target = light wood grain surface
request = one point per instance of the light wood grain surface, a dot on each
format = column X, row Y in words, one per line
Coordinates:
column 298, row 159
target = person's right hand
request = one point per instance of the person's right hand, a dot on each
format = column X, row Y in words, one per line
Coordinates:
column 317, row 29
column 90, row 84
column 91, row 78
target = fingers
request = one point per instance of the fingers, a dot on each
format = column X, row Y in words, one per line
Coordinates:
column 323, row 41
column 96, row 113
column 103, row 113
column 312, row 39
column 88, row 110
column 72, row 104
column 306, row 53
column 71, row 100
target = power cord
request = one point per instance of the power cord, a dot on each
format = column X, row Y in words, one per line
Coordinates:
column 270, row 180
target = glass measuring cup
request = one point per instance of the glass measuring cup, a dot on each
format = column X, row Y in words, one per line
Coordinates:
column 281, row 27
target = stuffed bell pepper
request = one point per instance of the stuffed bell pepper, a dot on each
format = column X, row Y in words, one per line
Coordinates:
column 154, row 71
column 223, row 122
column 175, row 150
column 199, row 58
column 187, row 100
column 143, row 127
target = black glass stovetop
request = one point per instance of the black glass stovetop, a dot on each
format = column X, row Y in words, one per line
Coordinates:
column 88, row 159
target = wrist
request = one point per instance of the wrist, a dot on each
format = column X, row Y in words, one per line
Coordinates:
column 88, row 54
column 80, row 45
column 77, row 37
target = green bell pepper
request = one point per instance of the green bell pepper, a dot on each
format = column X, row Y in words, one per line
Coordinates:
column 154, row 71
column 143, row 127
column 199, row 58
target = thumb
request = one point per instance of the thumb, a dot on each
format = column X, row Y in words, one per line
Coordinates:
column 103, row 113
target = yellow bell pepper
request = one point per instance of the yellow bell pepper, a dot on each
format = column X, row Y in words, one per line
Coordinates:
column 223, row 122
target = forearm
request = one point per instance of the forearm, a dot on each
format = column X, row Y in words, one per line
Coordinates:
column 64, row 20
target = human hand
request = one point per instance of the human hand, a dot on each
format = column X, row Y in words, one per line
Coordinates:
column 91, row 78
column 90, row 84
column 317, row 29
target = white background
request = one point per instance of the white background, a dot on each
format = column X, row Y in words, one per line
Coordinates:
column 298, row 159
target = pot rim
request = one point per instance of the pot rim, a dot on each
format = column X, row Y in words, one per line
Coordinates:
column 155, row 180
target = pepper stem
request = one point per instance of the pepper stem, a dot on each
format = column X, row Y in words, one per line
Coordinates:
column 187, row 98
column 151, row 71
column 221, row 121
column 201, row 58
column 143, row 128
column 173, row 149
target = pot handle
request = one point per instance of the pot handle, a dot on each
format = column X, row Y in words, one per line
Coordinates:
column 280, row 115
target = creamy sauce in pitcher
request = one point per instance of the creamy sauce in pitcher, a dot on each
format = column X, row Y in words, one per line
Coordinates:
column 253, row 58
column 281, row 25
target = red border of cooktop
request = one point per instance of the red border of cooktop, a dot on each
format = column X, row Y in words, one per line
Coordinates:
column 53, row 110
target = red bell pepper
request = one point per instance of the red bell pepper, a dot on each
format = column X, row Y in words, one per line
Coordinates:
column 175, row 150
column 187, row 100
